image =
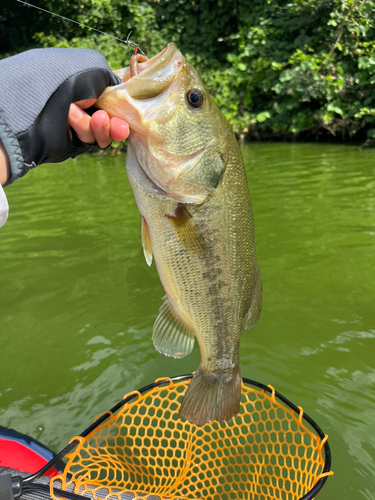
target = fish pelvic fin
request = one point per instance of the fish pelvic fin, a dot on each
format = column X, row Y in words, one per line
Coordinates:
column 212, row 397
column 170, row 336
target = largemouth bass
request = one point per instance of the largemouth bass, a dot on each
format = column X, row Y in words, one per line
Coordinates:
column 189, row 182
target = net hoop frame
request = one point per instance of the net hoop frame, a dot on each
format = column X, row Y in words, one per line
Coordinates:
column 29, row 485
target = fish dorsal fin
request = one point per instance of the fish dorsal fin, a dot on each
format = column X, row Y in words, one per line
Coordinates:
column 252, row 314
column 146, row 241
column 171, row 337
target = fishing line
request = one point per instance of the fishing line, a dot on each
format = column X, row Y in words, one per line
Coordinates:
column 127, row 41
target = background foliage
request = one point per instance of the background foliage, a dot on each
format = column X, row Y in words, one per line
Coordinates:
column 302, row 69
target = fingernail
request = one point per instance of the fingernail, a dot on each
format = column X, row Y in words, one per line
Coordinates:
column 107, row 124
column 75, row 112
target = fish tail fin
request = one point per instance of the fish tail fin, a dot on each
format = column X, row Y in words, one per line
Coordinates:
column 212, row 397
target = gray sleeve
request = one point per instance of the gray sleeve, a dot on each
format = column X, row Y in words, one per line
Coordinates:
column 36, row 90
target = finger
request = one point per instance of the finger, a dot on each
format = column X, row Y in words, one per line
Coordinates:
column 119, row 129
column 80, row 122
column 101, row 128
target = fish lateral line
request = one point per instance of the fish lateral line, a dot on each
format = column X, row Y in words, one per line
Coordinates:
column 126, row 41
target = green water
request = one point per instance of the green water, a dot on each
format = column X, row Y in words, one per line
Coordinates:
column 78, row 300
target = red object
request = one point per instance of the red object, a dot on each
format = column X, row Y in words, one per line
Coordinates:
column 23, row 453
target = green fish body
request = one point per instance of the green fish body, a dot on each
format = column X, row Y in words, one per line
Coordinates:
column 189, row 182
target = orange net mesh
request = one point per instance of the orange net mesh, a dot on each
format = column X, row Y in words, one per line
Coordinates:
column 145, row 452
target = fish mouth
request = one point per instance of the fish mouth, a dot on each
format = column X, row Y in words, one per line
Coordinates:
column 160, row 61
column 156, row 75
column 124, row 73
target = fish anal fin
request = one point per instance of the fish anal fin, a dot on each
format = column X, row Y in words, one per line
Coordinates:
column 211, row 397
column 187, row 230
column 253, row 313
column 170, row 336
column 146, row 241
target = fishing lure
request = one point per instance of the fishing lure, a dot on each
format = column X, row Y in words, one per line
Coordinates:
column 134, row 60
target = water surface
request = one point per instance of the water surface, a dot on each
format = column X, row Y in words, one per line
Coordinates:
column 77, row 300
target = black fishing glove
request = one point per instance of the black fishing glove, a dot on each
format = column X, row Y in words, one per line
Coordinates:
column 36, row 90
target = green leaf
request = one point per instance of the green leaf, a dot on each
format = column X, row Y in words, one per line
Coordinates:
column 97, row 13
column 286, row 75
column 335, row 109
column 363, row 62
column 263, row 116
column 276, row 66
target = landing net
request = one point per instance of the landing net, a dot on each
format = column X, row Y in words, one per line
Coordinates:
column 143, row 451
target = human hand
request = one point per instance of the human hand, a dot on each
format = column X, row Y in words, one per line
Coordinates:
column 99, row 127
column 37, row 89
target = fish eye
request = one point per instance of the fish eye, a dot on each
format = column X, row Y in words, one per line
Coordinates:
column 195, row 98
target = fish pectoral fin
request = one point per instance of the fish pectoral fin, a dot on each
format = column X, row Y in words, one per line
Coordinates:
column 146, row 241
column 187, row 230
column 253, row 313
column 170, row 336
